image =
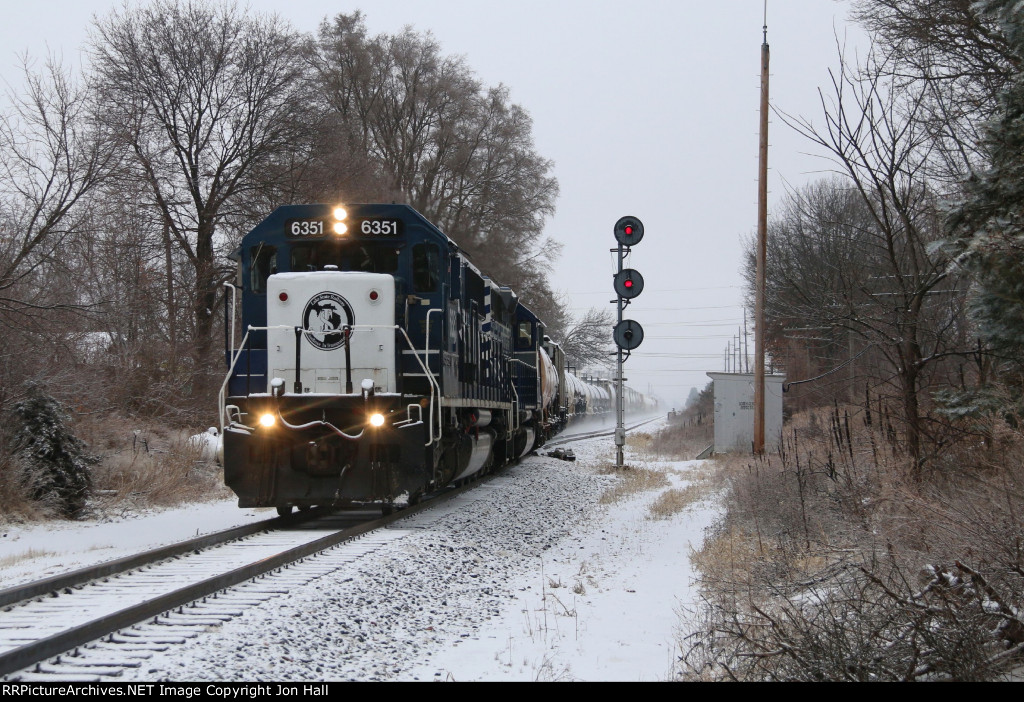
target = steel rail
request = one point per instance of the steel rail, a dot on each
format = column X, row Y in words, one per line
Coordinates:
column 595, row 434
column 42, row 649
column 26, row 591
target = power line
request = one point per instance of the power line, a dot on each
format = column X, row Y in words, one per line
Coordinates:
column 694, row 338
column 678, row 309
column 659, row 290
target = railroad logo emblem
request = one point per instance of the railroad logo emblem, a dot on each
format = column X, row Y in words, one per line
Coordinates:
column 325, row 316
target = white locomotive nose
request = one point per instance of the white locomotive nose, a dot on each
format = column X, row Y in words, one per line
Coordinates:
column 343, row 326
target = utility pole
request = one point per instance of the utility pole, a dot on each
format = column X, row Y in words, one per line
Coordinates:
column 762, row 248
column 746, row 342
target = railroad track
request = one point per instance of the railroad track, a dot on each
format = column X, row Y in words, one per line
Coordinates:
column 90, row 619
column 562, row 440
column 182, row 585
column 40, row 626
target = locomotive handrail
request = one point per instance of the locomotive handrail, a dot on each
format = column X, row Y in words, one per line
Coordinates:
column 528, row 367
column 515, row 407
column 410, row 421
column 518, row 404
column 426, row 348
column 234, row 298
column 222, row 396
column 430, row 376
column 433, row 385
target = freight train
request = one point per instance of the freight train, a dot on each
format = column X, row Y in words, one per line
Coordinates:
column 374, row 363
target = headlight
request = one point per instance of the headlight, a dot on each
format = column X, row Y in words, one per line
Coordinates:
column 377, row 420
column 340, row 213
column 268, row 420
column 340, row 228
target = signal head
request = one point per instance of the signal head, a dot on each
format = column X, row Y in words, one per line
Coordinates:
column 629, row 231
column 628, row 334
column 628, row 283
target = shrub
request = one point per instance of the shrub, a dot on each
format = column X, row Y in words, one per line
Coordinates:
column 832, row 562
column 54, row 463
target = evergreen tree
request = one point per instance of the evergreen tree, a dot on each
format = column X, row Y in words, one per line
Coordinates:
column 55, row 462
column 988, row 224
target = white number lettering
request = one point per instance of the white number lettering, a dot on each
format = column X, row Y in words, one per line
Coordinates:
column 378, row 227
column 306, row 227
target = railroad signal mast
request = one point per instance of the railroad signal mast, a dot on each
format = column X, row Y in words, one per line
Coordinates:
column 627, row 334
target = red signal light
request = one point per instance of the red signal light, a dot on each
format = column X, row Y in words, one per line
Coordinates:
column 629, row 231
column 629, row 283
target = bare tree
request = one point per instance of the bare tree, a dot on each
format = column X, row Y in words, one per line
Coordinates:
column 53, row 156
column 956, row 54
column 902, row 297
column 207, row 100
column 460, row 154
column 587, row 339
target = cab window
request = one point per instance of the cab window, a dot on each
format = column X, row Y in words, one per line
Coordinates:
column 524, row 339
column 263, row 264
column 426, row 264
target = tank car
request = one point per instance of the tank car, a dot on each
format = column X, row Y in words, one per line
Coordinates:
column 374, row 362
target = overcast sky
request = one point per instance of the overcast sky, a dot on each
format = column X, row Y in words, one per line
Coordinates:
column 647, row 107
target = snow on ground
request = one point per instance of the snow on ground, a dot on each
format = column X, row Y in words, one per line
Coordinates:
column 527, row 578
column 40, row 551
column 601, row 605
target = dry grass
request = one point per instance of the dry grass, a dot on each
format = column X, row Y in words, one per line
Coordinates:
column 148, row 465
column 836, row 560
column 676, row 500
column 14, row 559
column 17, row 506
column 682, row 441
column 640, row 444
column 637, row 479
column 632, row 482
column 702, row 480
column 166, row 476
column 140, row 466
column 671, row 500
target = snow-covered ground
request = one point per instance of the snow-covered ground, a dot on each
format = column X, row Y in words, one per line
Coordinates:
column 527, row 578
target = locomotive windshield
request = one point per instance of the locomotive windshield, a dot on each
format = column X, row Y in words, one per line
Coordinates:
column 346, row 254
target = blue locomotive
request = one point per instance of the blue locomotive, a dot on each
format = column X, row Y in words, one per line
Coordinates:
column 375, row 362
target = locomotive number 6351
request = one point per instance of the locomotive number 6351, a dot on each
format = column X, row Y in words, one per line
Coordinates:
column 380, row 227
